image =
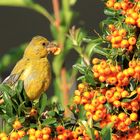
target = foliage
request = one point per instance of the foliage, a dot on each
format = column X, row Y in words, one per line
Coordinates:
column 106, row 102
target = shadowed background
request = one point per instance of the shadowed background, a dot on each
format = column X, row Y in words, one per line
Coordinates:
column 19, row 25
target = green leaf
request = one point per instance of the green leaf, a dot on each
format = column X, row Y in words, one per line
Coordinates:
column 106, row 132
column 42, row 103
column 8, row 127
column 26, row 137
column 130, row 98
column 132, row 85
column 51, row 113
column 80, row 68
column 6, row 89
column 11, row 120
column 109, row 107
column 21, row 107
column 21, row 119
column 89, row 77
column 9, row 109
column 19, row 86
column 60, row 109
column 109, row 12
column 94, row 47
column 88, row 129
column 49, row 121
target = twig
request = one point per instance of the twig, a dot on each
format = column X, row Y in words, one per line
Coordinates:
column 56, row 13
column 65, row 89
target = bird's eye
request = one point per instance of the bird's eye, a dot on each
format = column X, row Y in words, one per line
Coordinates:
column 44, row 44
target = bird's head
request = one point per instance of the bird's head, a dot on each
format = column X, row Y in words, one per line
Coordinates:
column 40, row 47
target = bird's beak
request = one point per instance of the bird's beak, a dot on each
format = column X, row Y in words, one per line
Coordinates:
column 53, row 48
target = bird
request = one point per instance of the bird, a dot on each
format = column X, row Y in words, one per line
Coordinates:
column 34, row 67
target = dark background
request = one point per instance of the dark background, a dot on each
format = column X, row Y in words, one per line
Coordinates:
column 19, row 25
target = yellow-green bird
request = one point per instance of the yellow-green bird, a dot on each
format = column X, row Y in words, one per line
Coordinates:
column 34, row 68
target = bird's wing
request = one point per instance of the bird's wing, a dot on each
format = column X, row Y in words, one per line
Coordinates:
column 16, row 72
column 12, row 79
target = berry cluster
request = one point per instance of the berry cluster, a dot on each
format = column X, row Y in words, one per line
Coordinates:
column 48, row 133
column 119, row 39
column 120, row 113
column 129, row 9
column 114, row 75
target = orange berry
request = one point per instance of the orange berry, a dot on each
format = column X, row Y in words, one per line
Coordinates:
column 5, row 138
column 137, row 69
column 32, row 137
column 95, row 118
column 128, row 121
column 21, row 133
column 121, row 125
column 95, row 102
column 31, row 131
column 133, row 116
column 120, row 75
column 88, row 114
column 60, row 129
column 81, row 87
column 46, row 137
column 117, row 103
column 122, row 116
column 95, row 61
column 33, row 112
column 99, row 113
column 96, row 133
column 38, row 134
column 77, row 99
column 109, row 3
column 78, row 130
column 112, row 80
column 77, row 93
column 124, row 93
column 107, row 71
column 86, row 94
column 132, row 40
column 134, row 103
column 114, row 118
column 124, row 43
column 84, row 100
column 122, row 32
column 117, row 95
column 114, row 137
column 17, row 125
column 130, row 20
column 102, row 78
column 2, row 135
column 130, row 71
column 86, row 107
column 96, row 74
column 117, row 6
column 124, row 5
column 14, row 136
column 134, row 15
column 109, row 94
column 111, row 27
column 46, row 130
column 102, row 99
column 130, row 48
column 115, row 33
column 118, row 39
column 137, row 136
column 132, row 64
